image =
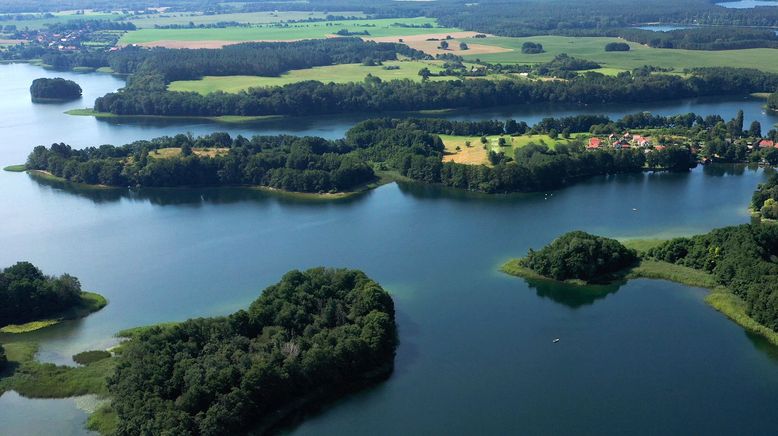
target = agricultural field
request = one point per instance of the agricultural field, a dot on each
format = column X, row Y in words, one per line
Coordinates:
column 59, row 17
column 476, row 154
column 343, row 73
column 593, row 48
column 275, row 32
column 184, row 18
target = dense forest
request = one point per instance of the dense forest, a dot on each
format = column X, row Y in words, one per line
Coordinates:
column 281, row 162
column 408, row 147
column 315, row 334
column 3, row 359
column 146, row 96
column 741, row 258
column 772, row 101
column 55, row 89
column 28, row 295
column 580, row 256
column 591, row 17
column 765, row 198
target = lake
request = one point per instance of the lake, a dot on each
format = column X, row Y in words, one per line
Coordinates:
column 476, row 352
column 748, row 4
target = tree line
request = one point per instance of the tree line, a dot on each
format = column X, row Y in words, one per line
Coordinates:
column 253, row 58
column 148, row 97
column 315, row 334
column 26, row 294
column 702, row 38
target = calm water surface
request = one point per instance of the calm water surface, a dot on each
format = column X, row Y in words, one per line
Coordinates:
column 476, row 354
column 748, row 4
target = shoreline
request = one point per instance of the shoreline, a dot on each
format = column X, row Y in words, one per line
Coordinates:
column 382, row 178
column 90, row 303
column 719, row 297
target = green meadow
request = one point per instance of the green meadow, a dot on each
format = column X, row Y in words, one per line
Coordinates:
column 59, row 17
column 294, row 31
column 184, row 18
column 343, row 73
column 593, row 48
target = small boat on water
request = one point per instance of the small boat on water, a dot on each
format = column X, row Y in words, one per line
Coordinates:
column 556, row 340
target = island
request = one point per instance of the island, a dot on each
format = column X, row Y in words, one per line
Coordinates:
column 576, row 257
column 30, row 300
column 56, row 89
column 314, row 336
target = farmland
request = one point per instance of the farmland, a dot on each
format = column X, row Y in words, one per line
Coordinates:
column 287, row 32
column 197, row 18
column 593, row 48
column 332, row 73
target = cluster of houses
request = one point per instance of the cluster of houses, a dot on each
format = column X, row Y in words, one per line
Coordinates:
column 765, row 143
column 66, row 41
column 620, row 142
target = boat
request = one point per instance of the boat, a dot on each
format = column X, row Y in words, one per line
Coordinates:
column 556, row 340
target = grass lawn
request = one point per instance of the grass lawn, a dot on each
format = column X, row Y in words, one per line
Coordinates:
column 295, row 31
column 16, row 168
column 331, row 73
column 593, row 48
column 166, row 153
column 477, row 155
column 184, row 18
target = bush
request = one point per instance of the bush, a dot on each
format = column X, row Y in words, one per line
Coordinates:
column 617, row 46
column 87, row 357
column 532, row 48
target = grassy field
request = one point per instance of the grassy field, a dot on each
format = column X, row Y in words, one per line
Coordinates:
column 15, row 168
column 477, row 155
column 59, row 17
column 34, row 379
column 184, row 18
column 296, row 31
column 166, row 153
column 332, row 73
column 593, row 48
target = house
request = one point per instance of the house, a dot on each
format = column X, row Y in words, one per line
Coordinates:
column 766, row 143
column 640, row 141
column 660, row 147
column 594, row 143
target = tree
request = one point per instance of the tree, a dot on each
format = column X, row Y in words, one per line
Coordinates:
column 463, row 46
column 755, row 131
column 772, row 101
column 424, row 73
column 443, row 45
column 617, row 46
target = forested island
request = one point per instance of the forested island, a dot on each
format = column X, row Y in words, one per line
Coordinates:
column 576, row 257
column 383, row 150
column 146, row 93
column 30, row 300
column 314, row 336
column 54, row 89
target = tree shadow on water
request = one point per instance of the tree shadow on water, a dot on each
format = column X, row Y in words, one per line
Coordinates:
column 572, row 295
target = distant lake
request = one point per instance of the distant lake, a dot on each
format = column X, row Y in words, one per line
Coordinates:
column 663, row 27
column 747, row 4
